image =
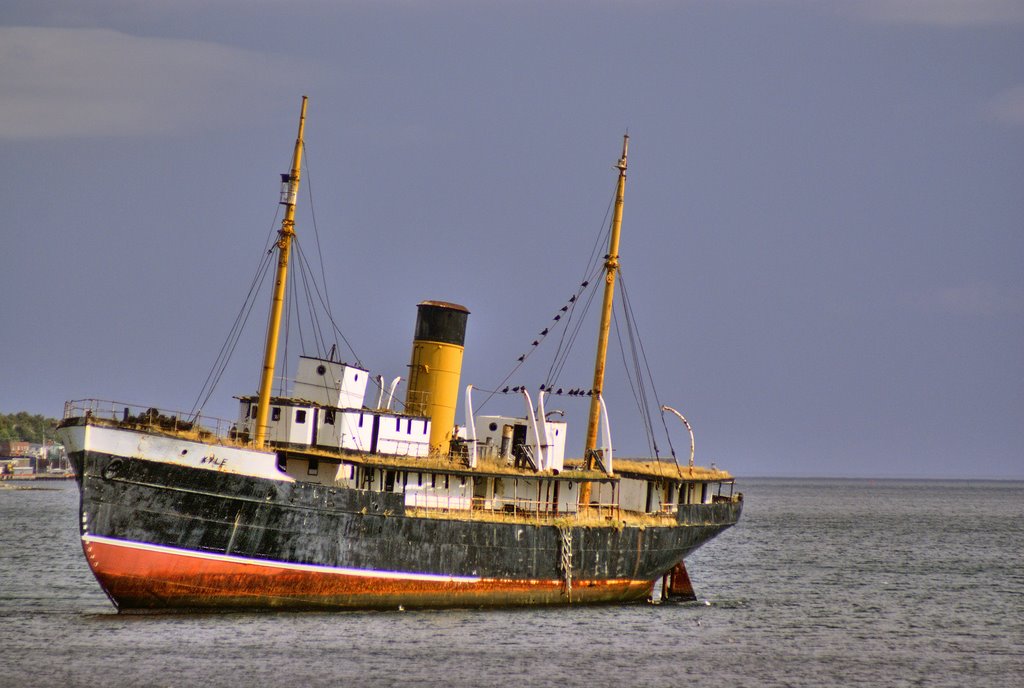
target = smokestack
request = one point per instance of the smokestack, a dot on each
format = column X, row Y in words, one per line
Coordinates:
column 435, row 368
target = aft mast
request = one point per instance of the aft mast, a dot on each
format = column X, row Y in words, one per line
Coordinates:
column 284, row 245
column 611, row 265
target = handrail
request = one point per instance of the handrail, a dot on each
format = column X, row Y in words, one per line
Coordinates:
column 502, row 508
column 150, row 417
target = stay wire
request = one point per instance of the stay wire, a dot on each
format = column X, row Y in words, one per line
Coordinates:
column 650, row 376
column 283, row 370
column 334, row 326
column 302, row 266
column 241, row 318
column 589, row 275
column 562, row 355
column 319, row 246
column 644, row 403
column 231, row 342
column 561, row 352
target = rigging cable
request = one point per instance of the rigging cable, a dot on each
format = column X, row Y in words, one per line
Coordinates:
column 320, row 253
column 283, row 374
column 646, row 365
column 303, row 280
column 337, row 331
column 234, row 333
column 640, row 390
column 591, row 272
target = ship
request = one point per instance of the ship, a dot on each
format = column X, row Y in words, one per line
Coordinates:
column 321, row 497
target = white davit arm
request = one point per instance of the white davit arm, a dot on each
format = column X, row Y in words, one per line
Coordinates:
column 687, row 424
column 470, row 426
column 607, row 448
column 538, row 456
column 391, row 392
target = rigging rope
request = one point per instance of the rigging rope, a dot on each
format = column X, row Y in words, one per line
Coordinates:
column 647, row 368
column 324, row 304
column 234, row 333
column 564, row 317
column 316, row 231
column 310, row 287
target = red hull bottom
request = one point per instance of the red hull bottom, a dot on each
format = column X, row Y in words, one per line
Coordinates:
column 145, row 577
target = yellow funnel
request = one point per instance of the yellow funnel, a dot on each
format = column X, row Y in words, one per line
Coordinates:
column 435, row 368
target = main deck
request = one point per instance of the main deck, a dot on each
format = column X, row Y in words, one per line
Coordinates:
column 641, row 491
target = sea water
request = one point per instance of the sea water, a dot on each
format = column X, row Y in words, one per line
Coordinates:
column 823, row 583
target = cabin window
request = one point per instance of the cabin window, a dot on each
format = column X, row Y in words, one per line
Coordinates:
column 329, row 417
column 300, row 416
column 252, row 411
column 275, row 413
column 355, row 378
column 314, row 467
column 424, row 427
column 419, row 479
column 433, row 479
column 360, row 420
column 398, row 424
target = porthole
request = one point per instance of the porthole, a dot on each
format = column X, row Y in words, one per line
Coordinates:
column 493, row 427
column 321, row 369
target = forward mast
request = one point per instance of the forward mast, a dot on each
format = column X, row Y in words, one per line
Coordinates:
column 284, row 245
column 611, row 266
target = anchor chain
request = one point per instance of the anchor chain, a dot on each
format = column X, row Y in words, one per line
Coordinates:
column 566, row 560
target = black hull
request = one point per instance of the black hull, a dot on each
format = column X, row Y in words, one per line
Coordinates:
column 235, row 519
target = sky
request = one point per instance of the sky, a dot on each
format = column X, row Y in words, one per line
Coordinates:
column 822, row 242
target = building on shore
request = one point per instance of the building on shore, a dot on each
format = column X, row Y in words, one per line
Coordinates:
column 20, row 459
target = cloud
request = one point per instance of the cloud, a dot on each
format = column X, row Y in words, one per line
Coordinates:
column 60, row 82
column 980, row 299
column 950, row 13
column 1008, row 106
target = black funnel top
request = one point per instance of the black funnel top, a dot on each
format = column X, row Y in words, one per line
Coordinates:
column 440, row 321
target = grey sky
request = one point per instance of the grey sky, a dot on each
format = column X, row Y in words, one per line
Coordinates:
column 824, row 220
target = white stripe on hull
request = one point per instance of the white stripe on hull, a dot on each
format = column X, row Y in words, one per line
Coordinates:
column 313, row 568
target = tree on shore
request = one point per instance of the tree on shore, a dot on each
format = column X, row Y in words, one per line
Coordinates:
column 26, row 427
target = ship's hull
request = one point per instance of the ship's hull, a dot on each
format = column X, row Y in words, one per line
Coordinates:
column 160, row 535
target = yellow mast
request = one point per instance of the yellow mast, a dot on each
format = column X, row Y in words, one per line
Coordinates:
column 284, row 245
column 611, row 265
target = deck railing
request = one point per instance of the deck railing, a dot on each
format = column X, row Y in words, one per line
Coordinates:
column 500, row 508
column 151, row 418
